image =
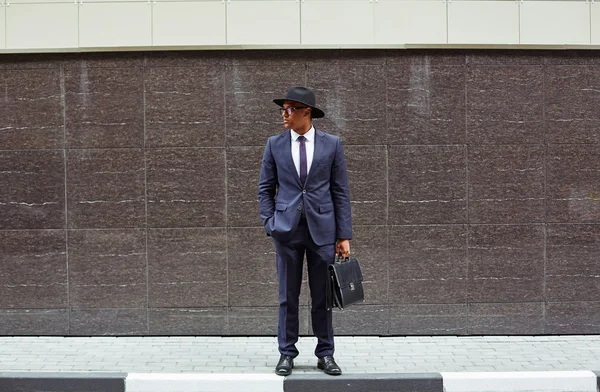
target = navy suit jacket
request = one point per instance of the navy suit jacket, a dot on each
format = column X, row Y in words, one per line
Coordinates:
column 324, row 198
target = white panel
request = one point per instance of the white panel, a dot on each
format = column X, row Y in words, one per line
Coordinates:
column 148, row 382
column 115, row 24
column 548, row 381
column 11, row 2
column 410, row 21
column 110, row 1
column 2, row 28
column 337, row 22
column 483, row 22
column 596, row 23
column 555, row 22
column 188, row 23
column 263, row 22
column 38, row 26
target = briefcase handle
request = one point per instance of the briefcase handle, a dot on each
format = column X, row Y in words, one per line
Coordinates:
column 340, row 259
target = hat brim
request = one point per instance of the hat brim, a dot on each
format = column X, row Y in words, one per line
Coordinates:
column 315, row 113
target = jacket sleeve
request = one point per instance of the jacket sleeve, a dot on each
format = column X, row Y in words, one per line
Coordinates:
column 340, row 193
column 267, row 185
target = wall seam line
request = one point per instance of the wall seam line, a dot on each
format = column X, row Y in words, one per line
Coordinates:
column 545, row 224
column 300, row 20
column 227, row 275
column 308, row 299
column 145, row 195
column 387, row 193
column 468, row 225
column 519, row 12
column 64, row 151
column 6, row 27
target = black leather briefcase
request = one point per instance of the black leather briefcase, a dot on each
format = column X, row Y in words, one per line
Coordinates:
column 345, row 283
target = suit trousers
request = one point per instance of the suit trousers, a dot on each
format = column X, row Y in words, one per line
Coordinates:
column 290, row 260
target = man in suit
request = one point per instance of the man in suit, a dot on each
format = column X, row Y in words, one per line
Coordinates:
column 305, row 207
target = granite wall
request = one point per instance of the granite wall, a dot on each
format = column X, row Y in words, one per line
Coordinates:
column 128, row 190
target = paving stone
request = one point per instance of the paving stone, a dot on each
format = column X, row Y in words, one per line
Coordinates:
column 249, row 354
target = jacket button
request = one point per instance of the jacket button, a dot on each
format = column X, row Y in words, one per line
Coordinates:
column 304, row 191
column 299, row 208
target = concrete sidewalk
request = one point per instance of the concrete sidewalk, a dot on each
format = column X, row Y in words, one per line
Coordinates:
column 194, row 364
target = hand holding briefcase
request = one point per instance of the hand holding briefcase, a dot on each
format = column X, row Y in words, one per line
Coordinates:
column 345, row 283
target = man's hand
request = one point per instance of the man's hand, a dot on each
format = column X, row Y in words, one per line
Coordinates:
column 343, row 248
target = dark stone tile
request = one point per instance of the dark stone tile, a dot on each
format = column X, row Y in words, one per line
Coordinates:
column 571, row 103
column 187, row 268
column 505, row 104
column 104, row 107
column 32, row 60
column 370, row 247
column 425, row 104
column 35, row 198
column 573, row 175
column 249, row 94
column 427, row 184
column 506, row 263
column 361, row 320
column 267, row 58
column 572, row 318
column 105, row 188
column 426, row 57
column 367, row 177
column 86, row 322
column 253, row 269
column 265, row 318
column 349, row 57
column 572, row 267
column 353, row 99
column 31, row 110
column 34, row 322
column 259, row 321
column 506, row 318
column 196, row 321
column 184, row 107
column 107, row 268
column 186, row 187
column 506, row 184
column 572, row 57
column 243, row 172
column 506, row 57
column 104, row 60
column 304, row 320
column 33, row 269
column 186, row 58
column 428, row 319
column 428, row 264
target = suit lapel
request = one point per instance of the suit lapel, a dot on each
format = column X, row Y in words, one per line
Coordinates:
column 318, row 152
column 287, row 154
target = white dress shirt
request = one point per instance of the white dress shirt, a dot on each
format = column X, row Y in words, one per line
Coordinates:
column 310, row 149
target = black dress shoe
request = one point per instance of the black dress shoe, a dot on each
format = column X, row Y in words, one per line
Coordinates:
column 285, row 365
column 328, row 365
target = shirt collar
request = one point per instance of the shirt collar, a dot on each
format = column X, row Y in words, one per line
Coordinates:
column 310, row 135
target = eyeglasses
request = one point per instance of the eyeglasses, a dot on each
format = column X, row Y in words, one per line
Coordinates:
column 291, row 110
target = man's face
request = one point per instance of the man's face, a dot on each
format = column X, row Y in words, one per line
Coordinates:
column 294, row 114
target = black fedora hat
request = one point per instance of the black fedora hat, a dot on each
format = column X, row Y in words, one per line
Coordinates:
column 302, row 95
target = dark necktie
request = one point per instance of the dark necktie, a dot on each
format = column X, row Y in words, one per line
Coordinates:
column 302, row 141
